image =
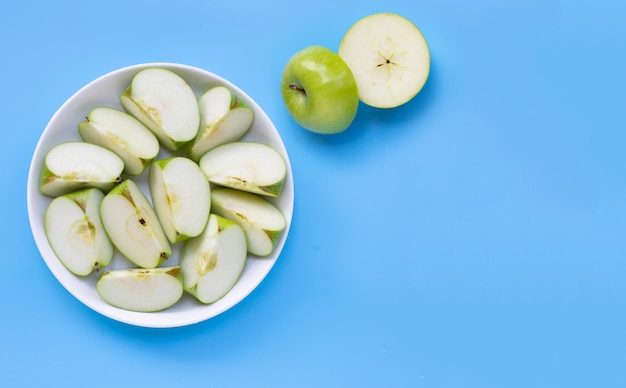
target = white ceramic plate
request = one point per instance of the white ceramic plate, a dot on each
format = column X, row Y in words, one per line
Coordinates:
column 64, row 126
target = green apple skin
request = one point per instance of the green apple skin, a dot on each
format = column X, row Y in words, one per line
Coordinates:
column 75, row 232
column 319, row 90
column 141, row 290
column 133, row 226
column 245, row 165
column 165, row 103
column 261, row 220
column 123, row 134
column 212, row 262
column 77, row 165
column 181, row 195
column 224, row 118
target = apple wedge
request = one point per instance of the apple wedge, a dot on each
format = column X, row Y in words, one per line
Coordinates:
column 133, row 227
column 248, row 166
column 123, row 134
column 181, row 196
column 75, row 232
column 213, row 262
column 263, row 222
column 142, row 290
column 165, row 103
column 389, row 58
column 76, row 165
column 224, row 118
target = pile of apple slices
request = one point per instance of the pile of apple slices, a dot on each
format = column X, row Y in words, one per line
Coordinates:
column 210, row 194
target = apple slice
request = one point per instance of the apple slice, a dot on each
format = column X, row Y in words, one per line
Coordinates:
column 75, row 232
column 133, row 227
column 213, row 262
column 142, row 290
column 389, row 58
column 123, row 134
column 165, row 103
column 248, row 166
column 263, row 222
column 181, row 196
column 78, row 165
column 223, row 118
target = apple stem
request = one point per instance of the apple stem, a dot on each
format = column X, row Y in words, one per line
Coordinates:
column 296, row 87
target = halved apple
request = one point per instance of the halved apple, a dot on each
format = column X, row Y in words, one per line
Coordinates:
column 78, row 165
column 263, row 222
column 223, row 118
column 389, row 58
column 181, row 196
column 213, row 262
column 142, row 290
column 75, row 232
column 123, row 134
column 248, row 166
column 165, row 103
column 133, row 227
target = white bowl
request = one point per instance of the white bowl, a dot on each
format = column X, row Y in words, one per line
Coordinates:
column 64, row 126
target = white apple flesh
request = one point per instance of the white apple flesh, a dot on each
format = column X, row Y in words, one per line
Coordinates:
column 223, row 118
column 165, row 103
column 389, row 58
column 141, row 290
column 181, row 196
column 75, row 232
column 78, row 165
column 123, row 134
column 133, row 227
column 213, row 262
column 262, row 222
column 248, row 166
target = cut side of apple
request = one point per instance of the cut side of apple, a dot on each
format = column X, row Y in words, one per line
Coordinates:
column 133, row 227
column 181, row 196
column 123, row 134
column 224, row 118
column 263, row 222
column 76, row 165
column 248, row 166
column 75, row 232
column 165, row 103
column 213, row 262
column 142, row 290
column 389, row 58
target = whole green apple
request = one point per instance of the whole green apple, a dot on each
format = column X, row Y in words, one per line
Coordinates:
column 319, row 90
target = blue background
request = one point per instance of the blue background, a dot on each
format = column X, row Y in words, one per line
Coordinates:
column 474, row 237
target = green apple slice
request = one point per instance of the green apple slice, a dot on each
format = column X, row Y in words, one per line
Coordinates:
column 181, row 196
column 142, row 290
column 133, row 227
column 123, row 134
column 223, row 118
column 78, row 165
column 75, row 232
column 213, row 262
column 248, row 166
column 389, row 58
column 165, row 103
column 263, row 222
